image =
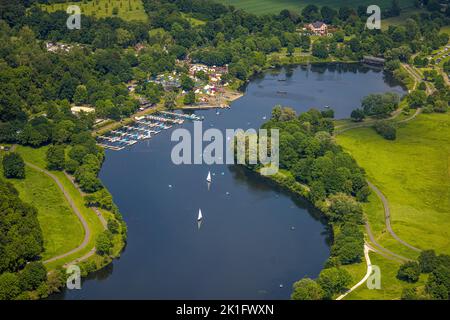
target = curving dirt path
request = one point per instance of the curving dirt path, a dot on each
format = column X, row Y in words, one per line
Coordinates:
column 97, row 212
column 87, row 231
column 387, row 217
column 418, row 111
column 382, row 250
column 370, row 122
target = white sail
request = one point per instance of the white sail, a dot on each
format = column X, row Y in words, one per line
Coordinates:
column 209, row 177
column 200, row 216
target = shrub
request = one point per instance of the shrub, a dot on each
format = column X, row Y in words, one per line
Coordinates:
column 427, row 261
column 307, row 289
column 409, row 271
column 113, row 226
column 333, row 281
column 56, row 157
column 9, row 286
column 13, row 166
column 32, row 276
column 329, row 113
column 71, row 166
column 103, row 243
column 386, row 129
column 358, row 115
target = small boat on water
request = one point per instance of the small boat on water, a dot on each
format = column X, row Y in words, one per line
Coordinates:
column 208, row 178
column 282, row 92
column 200, row 216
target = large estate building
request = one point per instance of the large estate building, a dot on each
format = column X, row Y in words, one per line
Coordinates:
column 318, row 28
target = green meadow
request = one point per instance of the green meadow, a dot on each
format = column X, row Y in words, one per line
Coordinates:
column 37, row 157
column 413, row 172
column 391, row 288
column 61, row 228
column 275, row 6
column 125, row 9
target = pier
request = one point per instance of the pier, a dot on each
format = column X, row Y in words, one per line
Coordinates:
column 142, row 128
column 192, row 117
column 206, row 107
column 161, row 119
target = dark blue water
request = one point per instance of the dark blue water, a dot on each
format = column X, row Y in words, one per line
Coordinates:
column 246, row 247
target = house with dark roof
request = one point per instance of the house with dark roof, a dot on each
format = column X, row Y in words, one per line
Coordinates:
column 318, row 28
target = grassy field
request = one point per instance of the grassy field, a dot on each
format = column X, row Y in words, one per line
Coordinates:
column 395, row 21
column 413, row 172
column 391, row 287
column 37, row 157
column 275, row 6
column 193, row 21
column 127, row 9
column 61, row 228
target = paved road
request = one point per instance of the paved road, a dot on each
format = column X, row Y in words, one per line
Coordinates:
column 416, row 75
column 363, row 280
column 87, row 231
column 387, row 217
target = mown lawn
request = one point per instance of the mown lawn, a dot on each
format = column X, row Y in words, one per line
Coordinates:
column 275, row 6
column 62, row 231
column 127, row 9
column 413, row 172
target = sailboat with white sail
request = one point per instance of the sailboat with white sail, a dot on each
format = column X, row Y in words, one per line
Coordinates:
column 200, row 216
column 208, row 178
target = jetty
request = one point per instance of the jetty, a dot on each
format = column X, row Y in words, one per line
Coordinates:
column 143, row 128
column 162, row 119
column 206, row 107
column 192, row 117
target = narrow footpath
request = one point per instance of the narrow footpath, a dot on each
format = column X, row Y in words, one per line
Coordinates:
column 363, row 280
column 87, row 231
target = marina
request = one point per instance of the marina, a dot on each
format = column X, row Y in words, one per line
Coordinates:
column 143, row 128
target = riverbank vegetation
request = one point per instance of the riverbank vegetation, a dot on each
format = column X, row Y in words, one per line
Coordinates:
column 315, row 167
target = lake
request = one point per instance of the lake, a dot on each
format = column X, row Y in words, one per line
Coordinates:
column 255, row 240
